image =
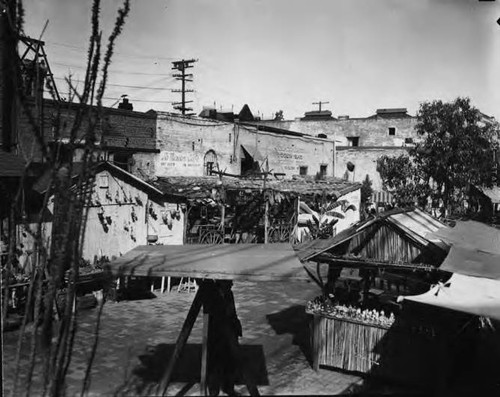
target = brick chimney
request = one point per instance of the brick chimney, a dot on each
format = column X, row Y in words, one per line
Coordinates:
column 125, row 105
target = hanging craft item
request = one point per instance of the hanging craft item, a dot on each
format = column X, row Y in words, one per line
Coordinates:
column 175, row 214
column 138, row 200
column 152, row 212
column 108, row 195
column 133, row 215
column 102, row 219
column 167, row 218
column 117, row 198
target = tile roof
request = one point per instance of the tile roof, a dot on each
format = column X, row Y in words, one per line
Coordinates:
column 201, row 187
column 11, row 165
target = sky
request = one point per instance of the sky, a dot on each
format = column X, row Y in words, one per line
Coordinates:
column 358, row 55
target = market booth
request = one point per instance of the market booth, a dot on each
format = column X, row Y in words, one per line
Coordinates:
column 473, row 292
column 358, row 325
column 253, row 262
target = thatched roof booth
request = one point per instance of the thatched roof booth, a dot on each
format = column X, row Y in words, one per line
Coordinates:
column 396, row 240
column 264, row 209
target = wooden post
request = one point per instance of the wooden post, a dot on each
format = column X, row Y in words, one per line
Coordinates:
column 168, row 283
column 222, row 216
column 204, row 355
column 185, row 223
column 181, row 340
column 162, row 288
column 316, row 339
column 266, row 223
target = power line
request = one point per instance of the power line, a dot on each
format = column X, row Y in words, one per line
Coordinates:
column 121, row 85
column 116, row 53
column 111, row 71
column 138, row 100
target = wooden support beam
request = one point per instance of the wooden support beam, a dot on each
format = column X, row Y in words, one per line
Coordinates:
column 162, row 288
column 357, row 263
column 181, row 340
column 204, row 355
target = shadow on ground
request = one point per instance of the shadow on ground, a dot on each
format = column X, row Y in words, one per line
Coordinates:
column 153, row 363
column 295, row 321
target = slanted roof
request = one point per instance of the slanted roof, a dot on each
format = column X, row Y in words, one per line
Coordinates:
column 275, row 130
column 202, row 187
column 246, row 114
column 42, row 184
column 255, row 262
column 11, row 165
column 412, row 224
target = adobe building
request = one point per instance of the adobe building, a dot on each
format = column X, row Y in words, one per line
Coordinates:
column 359, row 141
column 194, row 146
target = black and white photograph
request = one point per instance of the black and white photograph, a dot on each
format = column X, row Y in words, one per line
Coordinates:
column 249, row 197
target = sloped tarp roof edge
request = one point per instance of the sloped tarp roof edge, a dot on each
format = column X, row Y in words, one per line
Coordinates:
column 470, row 234
column 473, row 295
column 472, row 262
column 257, row 262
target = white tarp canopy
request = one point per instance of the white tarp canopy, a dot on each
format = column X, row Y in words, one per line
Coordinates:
column 473, row 295
column 474, row 260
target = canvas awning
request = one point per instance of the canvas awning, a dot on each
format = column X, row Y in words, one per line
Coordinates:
column 475, row 249
column 473, row 295
column 256, row 262
column 470, row 234
column 253, row 152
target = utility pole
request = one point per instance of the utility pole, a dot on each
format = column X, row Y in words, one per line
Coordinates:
column 184, row 77
column 319, row 103
column 8, row 75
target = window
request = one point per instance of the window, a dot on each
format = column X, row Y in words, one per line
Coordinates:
column 210, row 162
column 122, row 160
column 303, row 170
column 322, row 169
column 353, row 141
column 392, row 130
column 103, row 180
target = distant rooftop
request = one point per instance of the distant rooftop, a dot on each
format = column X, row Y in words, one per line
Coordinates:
column 318, row 115
column 391, row 113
